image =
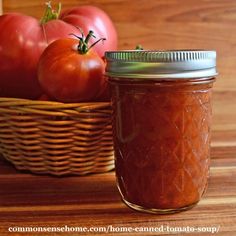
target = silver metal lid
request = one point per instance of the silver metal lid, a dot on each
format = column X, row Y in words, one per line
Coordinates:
column 161, row 64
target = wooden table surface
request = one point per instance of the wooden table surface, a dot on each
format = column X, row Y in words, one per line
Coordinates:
column 93, row 201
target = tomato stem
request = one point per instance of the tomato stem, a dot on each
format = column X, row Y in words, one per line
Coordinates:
column 102, row 39
column 83, row 46
column 50, row 13
column 139, row 47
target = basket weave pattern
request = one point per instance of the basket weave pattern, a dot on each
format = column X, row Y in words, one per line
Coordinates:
column 56, row 138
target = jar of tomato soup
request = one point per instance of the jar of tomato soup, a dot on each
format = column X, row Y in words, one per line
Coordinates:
column 161, row 126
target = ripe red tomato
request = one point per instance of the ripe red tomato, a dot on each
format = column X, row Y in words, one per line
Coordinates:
column 69, row 74
column 22, row 41
column 92, row 18
column 44, row 97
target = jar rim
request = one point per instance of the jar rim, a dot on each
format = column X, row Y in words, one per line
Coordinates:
column 156, row 64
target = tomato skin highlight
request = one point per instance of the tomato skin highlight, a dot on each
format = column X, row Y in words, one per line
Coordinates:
column 69, row 76
column 93, row 18
column 23, row 39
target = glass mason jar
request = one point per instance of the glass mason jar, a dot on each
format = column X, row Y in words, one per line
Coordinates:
column 161, row 126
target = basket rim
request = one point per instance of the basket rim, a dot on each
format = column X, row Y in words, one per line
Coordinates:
column 51, row 108
column 25, row 101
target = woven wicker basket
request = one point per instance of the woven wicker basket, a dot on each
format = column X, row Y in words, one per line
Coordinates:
column 56, row 138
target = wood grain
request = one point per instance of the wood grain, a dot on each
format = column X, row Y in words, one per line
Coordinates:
column 30, row 200
column 165, row 24
column 208, row 24
column 93, row 201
